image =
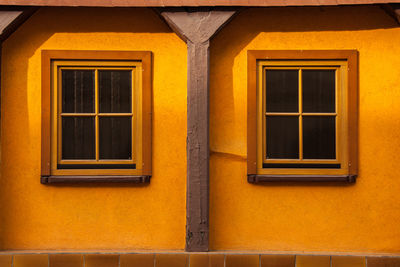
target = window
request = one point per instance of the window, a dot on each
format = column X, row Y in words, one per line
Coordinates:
column 96, row 116
column 302, row 116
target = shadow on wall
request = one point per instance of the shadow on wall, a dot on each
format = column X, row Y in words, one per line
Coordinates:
column 244, row 28
column 24, row 145
column 264, row 28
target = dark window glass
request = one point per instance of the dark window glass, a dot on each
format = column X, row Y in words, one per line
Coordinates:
column 282, row 90
column 318, row 90
column 115, row 91
column 78, row 138
column 282, row 137
column 115, row 137
column 77, row 91
column 319, row 137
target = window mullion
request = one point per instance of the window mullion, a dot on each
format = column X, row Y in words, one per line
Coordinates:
column 300, row 115
column 96, row 99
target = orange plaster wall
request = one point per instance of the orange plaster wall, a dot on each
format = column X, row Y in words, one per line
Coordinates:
column 35, row 216
column 311, row 218
column 363, row 217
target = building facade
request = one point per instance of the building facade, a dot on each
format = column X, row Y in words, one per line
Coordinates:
column 258, row 134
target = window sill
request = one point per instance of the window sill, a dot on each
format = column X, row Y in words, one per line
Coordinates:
column 137, row 179
column 258, row 179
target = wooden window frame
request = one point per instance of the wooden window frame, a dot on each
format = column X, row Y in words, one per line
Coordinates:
column 348, row 131
column 143, row 63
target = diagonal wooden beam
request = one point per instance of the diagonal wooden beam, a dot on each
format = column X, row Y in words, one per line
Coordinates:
column 12, row 18
column 196, row 27
column 392, row 10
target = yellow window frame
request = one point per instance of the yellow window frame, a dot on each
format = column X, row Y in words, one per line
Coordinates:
column 345, row 62
column 56, row 131
column 340, row 68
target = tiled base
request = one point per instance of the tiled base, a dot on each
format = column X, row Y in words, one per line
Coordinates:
column 192, row 260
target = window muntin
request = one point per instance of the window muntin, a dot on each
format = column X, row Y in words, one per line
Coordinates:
column 103, row 122
column 305, row 104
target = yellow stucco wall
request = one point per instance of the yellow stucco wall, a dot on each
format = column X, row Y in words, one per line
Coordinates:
column 334, row 218
column 35, row 216
column 358, row 218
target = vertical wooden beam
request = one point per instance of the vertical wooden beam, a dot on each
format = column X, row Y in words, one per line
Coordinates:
column 196, row 27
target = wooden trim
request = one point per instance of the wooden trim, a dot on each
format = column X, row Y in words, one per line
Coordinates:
column 147, row 112
column 10, row 27
column 255, row 179
column 251, row 112
column 46, row 113
column 146, row 59
column 194, row 3
column 137, row 179
column 352, row 120
column 351, row 57
column 196, row 29
column 98, row 55
column 392, row 10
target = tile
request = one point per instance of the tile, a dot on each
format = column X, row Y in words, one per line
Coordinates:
column 242, row 261
column 31, row 260
column 101, row 260
column 206, row 260
column 313, row 261
column 199, row 260
column 217, row 260
column 5, row 260
column 277, row 261
column 348, row 261
column 137, row 260
column 171, row 260
column 383, row 261
column 65, row 260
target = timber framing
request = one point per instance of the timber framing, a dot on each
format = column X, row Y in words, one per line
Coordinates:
column 10, row 19
column 393, row 10
column 193, row 3
column 196, row 25
column 196, row 28
column 13, row 17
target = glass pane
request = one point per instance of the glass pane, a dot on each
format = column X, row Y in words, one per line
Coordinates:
column 319, row 90
column 282, row 90
column 282, row 137
column 115, row 90
column 78, row 138
column 319, row 137
column 115, row 137
column 77, row 91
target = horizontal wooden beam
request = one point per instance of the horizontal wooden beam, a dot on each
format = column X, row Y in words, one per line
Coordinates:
column 171, row 3
column 140, row 179
column 256, row 179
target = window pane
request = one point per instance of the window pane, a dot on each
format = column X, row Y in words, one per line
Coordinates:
column 282, row 137
column 319, row 141
column 318, row 90
column 78, row 138
column 77, row 91
column 282, row 90
column 115, row 88
column 115, row 137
